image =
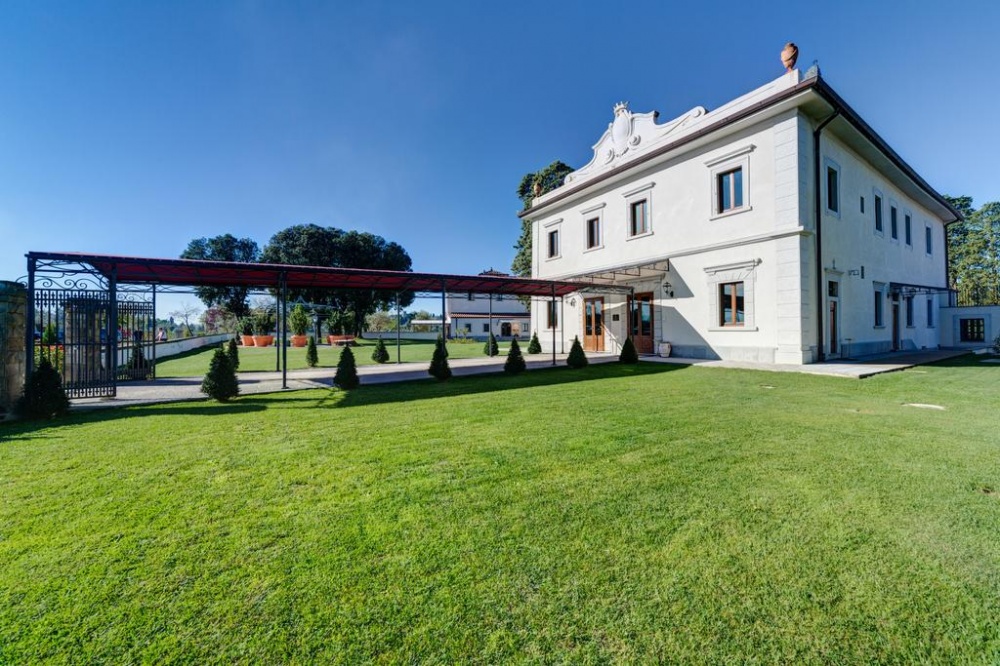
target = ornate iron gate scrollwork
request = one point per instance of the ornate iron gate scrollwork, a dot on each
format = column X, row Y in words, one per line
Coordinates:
column 72, row 329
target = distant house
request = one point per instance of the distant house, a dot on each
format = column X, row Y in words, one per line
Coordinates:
column 476, row 315
column 777, row 228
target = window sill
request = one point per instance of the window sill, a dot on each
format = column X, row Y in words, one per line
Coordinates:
column 642, row 235
column 593, row 249
column 730, row 213
column 833, row 213
column 877, row 326
column 880, row 234
column 558, row 256
column 732, row 329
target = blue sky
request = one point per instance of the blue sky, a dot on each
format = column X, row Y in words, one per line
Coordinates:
column 133, row 127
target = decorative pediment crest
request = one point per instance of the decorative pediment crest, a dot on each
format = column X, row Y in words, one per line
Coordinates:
column 630, row 134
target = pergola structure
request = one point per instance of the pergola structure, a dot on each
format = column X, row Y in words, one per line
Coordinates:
column 97, row 288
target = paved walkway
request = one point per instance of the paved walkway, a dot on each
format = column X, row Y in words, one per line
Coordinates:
column 175, row 389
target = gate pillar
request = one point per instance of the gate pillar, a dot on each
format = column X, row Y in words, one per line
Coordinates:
column 13, row 355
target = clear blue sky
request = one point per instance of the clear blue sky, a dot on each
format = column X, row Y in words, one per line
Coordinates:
column 133, row 127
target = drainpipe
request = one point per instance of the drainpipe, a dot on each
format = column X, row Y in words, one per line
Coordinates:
column 820, row 352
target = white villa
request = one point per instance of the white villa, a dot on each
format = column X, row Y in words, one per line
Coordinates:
column 474, row 315
column 777, row 228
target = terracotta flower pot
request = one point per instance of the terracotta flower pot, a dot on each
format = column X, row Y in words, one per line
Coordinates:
column 300, row 340
column 247, row 340
column 263, row 340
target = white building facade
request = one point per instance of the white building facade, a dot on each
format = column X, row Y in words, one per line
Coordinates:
column 738, row 240
column 475, row 315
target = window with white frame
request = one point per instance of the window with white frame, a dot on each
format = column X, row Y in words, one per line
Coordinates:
column 731, row 295
column 972, row 330
column 893, row 221
column 877, row 211
column 552, row 314
column 879, row 305
column 638, row 207
column 593, row 232
column 486, row 328
column 908, row 228
column 833, row 187
column 593, row 227
column 731, row 181
column 553, row 246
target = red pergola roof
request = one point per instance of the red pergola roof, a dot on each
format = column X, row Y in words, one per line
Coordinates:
column 197, row 273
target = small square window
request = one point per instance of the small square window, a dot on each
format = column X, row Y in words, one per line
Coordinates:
column 730, row 190
column 972, row 330
column 594, row 233
column 638, row 218
column 486, row 328
column 468, row 328
column 907, row 229
column 553, row 244
column 731, row 304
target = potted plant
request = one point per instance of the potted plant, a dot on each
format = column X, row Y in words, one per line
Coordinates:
column 262, row 328
column 664, row 348
column 298, row 320
column 246, row 331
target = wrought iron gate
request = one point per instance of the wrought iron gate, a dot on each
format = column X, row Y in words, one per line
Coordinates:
column 72, row 329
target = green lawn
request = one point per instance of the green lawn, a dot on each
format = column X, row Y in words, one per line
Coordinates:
column 633, row 514
column 259, row 359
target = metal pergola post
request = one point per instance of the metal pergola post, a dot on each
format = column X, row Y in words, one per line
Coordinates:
column 284, row 330
column 154, row 331
column 562, row 331
column 491, row 316
column 399, row 358
column 555, row 322
column 444, row 295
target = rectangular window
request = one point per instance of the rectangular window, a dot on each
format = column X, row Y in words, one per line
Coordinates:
column 468, row 328
column 832, row 189
column 553, row 244
column 909, row 311
column 731, row 305
column 638, row 218
column 730, row 189
column 927, row 240
column 930, row 313
column 552, row 318
column 486, row 328
column 862, row 205
column 594, row 233
column 907, row 232
column 878, row 214
column 972, row 330
column 878, row 308
column 893, row 223
column 471, row 296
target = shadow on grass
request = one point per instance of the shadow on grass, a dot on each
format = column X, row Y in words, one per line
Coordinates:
column 21, row 431
column 428, row 389
column 965, row 361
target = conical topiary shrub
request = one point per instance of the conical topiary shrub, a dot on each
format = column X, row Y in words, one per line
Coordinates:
column 439, row 362
column 534, row 347
column 628, row 354
column 234, row 354
column 577, row 359
column 220, row 380
column 491, row 348
column 347, row 371
column 380, row 354
column 138, row 366
column 312, row 355
column 43, row 396
column 515, row 361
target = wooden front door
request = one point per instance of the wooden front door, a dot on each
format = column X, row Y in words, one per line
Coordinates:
column 642, row 323
column 593, row 324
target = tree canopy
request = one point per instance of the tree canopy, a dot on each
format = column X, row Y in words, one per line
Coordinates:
column 974, row 252
column 534, row 184
column 224, row 248
column 312, row 245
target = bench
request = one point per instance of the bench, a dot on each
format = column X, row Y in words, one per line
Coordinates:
column 340, row 340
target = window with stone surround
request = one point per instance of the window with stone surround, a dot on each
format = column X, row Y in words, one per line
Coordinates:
column 731, row 296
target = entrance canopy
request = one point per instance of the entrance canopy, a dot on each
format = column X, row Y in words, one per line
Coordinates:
column 197, row 273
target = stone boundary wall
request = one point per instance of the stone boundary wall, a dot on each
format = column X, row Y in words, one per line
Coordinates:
column 13, row 309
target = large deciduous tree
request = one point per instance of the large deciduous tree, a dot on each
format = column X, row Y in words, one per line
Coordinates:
column 532, row 185
column 312, row 245
column 224, row 248
column 974, row 252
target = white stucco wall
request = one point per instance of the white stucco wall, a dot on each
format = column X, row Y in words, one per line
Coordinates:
column 951, row 319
